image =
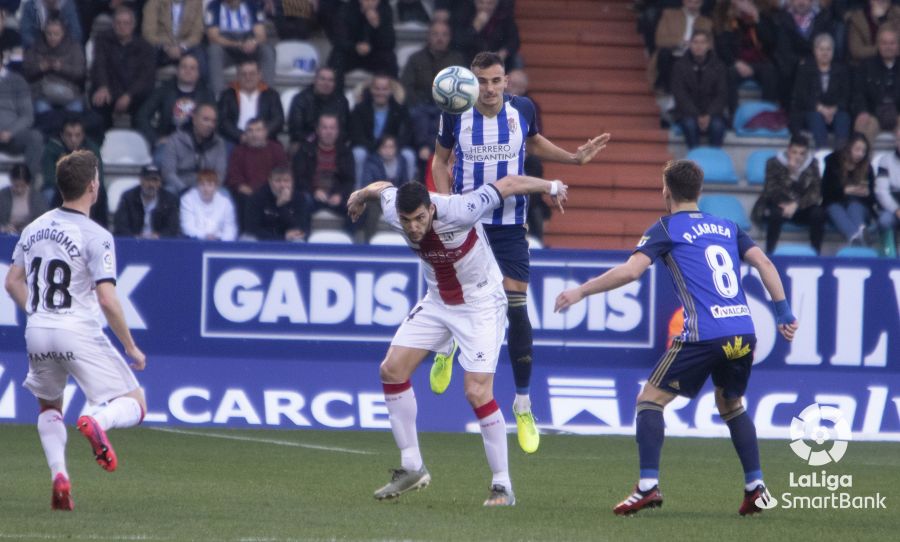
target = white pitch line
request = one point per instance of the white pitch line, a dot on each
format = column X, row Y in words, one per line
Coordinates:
column 37, row 536
column 263, row 441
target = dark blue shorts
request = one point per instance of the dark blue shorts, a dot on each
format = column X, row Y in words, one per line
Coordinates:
column 510, row 249
column 685, row 366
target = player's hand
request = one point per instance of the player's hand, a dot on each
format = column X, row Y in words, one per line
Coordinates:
column 139, row 360
column 788, row 330
column 561, row 197
column 567, row 299
column 356, row 204
column 586, row 152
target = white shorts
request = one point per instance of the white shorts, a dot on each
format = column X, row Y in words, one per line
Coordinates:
column 477, row 327
column 97, row 367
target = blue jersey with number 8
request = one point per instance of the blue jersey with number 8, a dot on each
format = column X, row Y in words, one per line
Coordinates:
column 703, row 255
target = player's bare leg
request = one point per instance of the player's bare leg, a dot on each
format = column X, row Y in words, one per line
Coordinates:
column 650, row 431
column 396, row 370
column 480, row 394
column 124, row 411
column 743, row 436
column 520, row 349
column 53, row 436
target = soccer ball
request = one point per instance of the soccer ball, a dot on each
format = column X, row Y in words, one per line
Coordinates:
column 455, row 90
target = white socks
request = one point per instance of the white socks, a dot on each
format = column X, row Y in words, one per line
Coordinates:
column 750, row 486
column 53, row 435
column 493, row 432
column 119, row 414
column 402, row 410
column 646, row 484
column 522, row 403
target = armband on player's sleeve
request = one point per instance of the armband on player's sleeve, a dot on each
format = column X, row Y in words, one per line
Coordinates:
column 783, row 314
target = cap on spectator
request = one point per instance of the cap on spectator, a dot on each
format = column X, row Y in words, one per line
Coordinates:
column 151, row 171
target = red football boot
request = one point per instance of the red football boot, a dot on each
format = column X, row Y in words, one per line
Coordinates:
column 652, row 498
column 62, row 494
column 103, row 450
column 759, row 495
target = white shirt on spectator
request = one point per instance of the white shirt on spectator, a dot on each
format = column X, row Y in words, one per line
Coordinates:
column 200, row 219
column 247, row 107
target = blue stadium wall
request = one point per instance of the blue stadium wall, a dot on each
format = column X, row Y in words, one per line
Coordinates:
column 290, row 336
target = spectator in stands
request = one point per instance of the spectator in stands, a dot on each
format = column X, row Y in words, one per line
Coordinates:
column 249, row 98
column 324, row 168
column 279, row 210
column 673, row 37
column 745, row 37
column 120, row 74
column 792, row 192
column 488, row 25
column 848, row 189
column 94, row 15
column 72, row 138
column 10, row 44
column 876, row 92
column 235, row 32
column 365, row 39
column 172, row 103
column 36, row 13
column 411, row 11
column 378, row 114
column 862, row 27
column 418, row 74
column 206, row 213
column 385, row 164
column 175, row 28
column 700, row 88
column 306, row 107
column 56, row 70
column 16, row 120
column 20, row 203
column 798, row 23
column 887, row 190
column 147, row 211
column 192, row 148
column 293, row 19
column 251, row 162
column 821, row 97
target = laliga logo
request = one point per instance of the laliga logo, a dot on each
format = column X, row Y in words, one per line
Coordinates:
column 808, row 427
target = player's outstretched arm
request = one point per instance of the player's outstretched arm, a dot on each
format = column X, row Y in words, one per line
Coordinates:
column 545, row 149
column 521, row 184
column 440, row 168
column 619, row 275
column 356, row 203
column 16, row 285
column 771, row 280
column 109, row 303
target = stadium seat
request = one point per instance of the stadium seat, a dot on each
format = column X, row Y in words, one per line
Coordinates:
column 534, row 242
column 747, row 111
column 4, row 180
column 333, row 237
column 295, row 58
column 794, row 249
column 820, row 158
column 756, row 165
column 287, row 96
column 11, row 158
column 716, row 165
column 406, row 51
column 725, row 206
column 876, row 158
column 115, row 188
column 388, row 238
column 125, row 147
column 857, row 252
column 89, row 54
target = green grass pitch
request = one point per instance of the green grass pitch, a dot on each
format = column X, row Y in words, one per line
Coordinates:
column 254, row 486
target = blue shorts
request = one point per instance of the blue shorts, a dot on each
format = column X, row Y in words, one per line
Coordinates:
column 685, row 366
column 510, row 249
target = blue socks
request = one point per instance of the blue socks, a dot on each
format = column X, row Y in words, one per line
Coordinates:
column 649, row 435
column 519, row 340
column 743, row 436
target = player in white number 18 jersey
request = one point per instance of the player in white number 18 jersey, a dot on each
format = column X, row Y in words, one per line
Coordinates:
column 63, row 274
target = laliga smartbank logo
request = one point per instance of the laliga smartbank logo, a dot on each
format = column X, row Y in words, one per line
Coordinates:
column 820, row 435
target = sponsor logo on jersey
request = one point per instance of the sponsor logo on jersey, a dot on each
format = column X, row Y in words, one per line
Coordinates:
column 512, row 125
column 729, row 311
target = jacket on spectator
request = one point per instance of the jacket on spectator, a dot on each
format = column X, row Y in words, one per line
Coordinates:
column 16, row 113
column 268, row 109
column 184, row 156
column 124, row 69
column 500, row 32
column 37, row 205
column 419, row 72
column 833, row 184
column 158, row 27
column 374, row 170
column 670, row 34
column 736, row 43
column 303, row 114
column 304, row 168
column 793, row 47
column 699, row 87
column 56, row 149
column 164, row 221
column 168, row 108
column 71, row 73
column 861, row 31
column 780, row 188
column 875, row 85
column 31, row 22
column 267, row 221
column 355, row 28
column 808, row 92
column 362, row 124
column 251, row 166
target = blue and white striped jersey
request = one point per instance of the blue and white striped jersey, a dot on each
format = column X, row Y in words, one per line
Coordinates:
column 488, row 149
column 238, row 21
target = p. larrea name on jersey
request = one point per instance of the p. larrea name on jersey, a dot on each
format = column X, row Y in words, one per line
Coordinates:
column 53, row 234
column 706, row 228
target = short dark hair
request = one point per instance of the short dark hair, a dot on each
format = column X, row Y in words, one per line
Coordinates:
column 486, row 59
column 254, row 120
column 249, row 60
column 411, row 196
column 74, row 172
column 799, row 140
column 277, row 171
column 20, row 172
column 684, row 178
column 72, row 120
column 702, row 32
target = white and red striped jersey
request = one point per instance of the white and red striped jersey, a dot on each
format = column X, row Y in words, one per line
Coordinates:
column 459, row 264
